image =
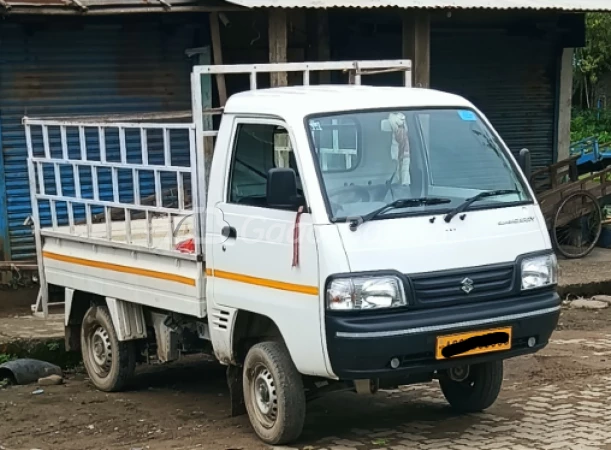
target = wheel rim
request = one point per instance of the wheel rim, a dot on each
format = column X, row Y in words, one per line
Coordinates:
column 577, row 225
column 100, row 350
column 263, row 395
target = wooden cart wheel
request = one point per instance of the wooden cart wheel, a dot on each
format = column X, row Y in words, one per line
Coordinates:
column 577, row 225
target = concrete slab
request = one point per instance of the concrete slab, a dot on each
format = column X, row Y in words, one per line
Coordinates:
column 28, row 327
column 587, row 276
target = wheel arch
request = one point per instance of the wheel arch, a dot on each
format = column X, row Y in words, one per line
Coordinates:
column 249, row 329
column 76, row 305
column 127, row 318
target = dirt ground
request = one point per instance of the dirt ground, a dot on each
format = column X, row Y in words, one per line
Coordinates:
column 186, row 406
column 16, row 301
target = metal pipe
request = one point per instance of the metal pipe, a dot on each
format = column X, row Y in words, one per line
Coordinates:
column 18, row 264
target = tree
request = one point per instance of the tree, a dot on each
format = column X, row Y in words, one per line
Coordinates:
column 593, row 60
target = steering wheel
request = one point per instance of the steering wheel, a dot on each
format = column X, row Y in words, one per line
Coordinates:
column 360, row 192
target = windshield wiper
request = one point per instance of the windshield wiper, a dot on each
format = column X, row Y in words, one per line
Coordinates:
column 464, row 205
column 398, row 204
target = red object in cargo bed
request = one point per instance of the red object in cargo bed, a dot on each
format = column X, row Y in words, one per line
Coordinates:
column 187, row 246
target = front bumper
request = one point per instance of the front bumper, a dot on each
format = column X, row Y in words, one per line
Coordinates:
column 361, row 346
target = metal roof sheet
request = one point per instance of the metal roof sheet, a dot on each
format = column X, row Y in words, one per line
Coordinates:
column 94, row 7
column 559, row 5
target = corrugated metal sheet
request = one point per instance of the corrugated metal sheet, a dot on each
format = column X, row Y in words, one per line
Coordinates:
column 110, row 7
column 4, row 243
column 512, row 79
column 563, row 5
column 90, row 69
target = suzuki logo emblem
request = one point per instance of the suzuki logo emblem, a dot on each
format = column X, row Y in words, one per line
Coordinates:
column 467, row 285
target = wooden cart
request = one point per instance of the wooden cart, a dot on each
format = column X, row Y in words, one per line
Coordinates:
column 571, row 205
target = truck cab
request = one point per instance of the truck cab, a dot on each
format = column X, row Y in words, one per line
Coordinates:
column 421, row 251
column 352, row 237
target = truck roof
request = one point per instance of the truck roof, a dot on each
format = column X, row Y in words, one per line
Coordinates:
column 306, row 100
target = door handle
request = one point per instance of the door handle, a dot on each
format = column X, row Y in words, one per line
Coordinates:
column 229, row 232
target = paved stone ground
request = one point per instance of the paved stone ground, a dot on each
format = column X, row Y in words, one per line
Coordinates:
column 573, row 415
column 547, row 418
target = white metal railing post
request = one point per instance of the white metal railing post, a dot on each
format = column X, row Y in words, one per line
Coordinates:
column 407, row 78
column 198, row 157
column 43, row 294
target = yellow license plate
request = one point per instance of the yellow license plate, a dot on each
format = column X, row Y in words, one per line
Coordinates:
column 473, row 343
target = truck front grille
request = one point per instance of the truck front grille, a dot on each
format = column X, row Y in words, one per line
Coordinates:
column 464, row 285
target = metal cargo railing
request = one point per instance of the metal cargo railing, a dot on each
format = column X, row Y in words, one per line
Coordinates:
column 123, row 184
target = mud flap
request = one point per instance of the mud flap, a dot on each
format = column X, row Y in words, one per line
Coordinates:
column 236, row 391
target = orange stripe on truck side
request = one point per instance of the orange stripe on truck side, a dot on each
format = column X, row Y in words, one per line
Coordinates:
column 263, row 282
column 119, row 268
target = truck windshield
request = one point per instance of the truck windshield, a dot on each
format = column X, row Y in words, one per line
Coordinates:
column 369, row 159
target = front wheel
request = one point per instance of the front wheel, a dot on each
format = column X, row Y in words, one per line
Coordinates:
column 109, row 362
column 273, row 393
column 473, row 391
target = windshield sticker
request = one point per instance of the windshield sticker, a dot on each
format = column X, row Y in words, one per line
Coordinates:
column 315, row 126
column 467, row 115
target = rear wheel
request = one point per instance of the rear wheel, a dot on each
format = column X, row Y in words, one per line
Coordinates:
column 474, row 388
column 273, row 393
column 109, row 362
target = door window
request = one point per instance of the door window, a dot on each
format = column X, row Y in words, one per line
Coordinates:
column 257, row 149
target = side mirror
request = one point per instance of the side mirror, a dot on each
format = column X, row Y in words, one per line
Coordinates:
column 282, row 188
column 524, row 161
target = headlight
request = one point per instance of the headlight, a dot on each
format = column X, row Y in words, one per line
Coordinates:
column 539, row 271
column 365, row 293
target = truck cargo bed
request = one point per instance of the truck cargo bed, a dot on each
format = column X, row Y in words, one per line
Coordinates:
column 88, row 264
column 111, row 201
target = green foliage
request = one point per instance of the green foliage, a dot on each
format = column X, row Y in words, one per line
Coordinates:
column 588, row 123
column 593, row 60
column 5, row 358
column 53, row 346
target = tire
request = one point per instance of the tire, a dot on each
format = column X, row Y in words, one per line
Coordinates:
column 478, row 391
column 273, row 393
column 109, row 363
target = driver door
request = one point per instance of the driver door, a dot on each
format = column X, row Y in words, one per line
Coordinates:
column 254, row 262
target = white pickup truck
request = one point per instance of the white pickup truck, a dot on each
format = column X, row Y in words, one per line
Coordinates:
column 346, row 237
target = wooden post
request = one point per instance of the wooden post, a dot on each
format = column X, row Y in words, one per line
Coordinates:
column 417, row 46
column 564, row 105
column 217, row 53
column 278, row 44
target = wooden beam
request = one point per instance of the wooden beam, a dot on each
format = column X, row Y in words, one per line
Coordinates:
column 278, row 44
column 417, row 46
column 217, row 54
column 564, row 104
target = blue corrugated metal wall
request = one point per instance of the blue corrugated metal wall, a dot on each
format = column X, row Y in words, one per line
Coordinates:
column 84, row 68
column 4, row 243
